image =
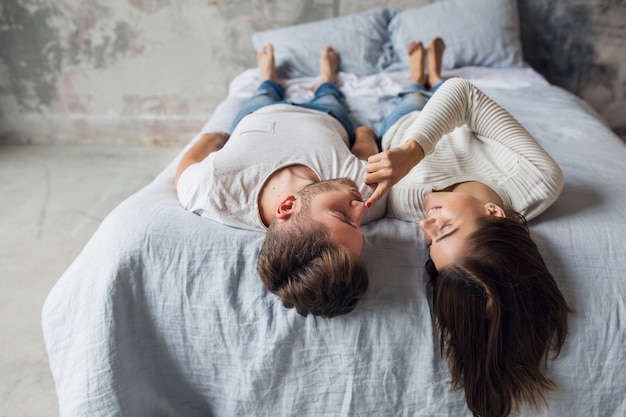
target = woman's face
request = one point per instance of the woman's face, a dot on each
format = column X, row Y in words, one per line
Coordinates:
column 450, row 219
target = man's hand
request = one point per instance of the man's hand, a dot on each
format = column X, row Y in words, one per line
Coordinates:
column 208, row 142
column 386, row 168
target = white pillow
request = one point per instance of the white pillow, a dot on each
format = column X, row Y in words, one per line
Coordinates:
column 476, row 32
column 361, row 39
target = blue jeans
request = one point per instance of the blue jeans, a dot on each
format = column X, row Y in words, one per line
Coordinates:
column 409, row 102
column 327, row 99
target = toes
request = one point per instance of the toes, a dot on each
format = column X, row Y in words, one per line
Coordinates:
column 267, row 49
column 415, row 46
column 330, row 55
column 437, row 44
column 330, row 52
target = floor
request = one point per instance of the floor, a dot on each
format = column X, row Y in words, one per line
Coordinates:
column 53, row 197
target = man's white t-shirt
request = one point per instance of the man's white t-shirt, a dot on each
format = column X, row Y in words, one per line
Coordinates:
column 226, row 185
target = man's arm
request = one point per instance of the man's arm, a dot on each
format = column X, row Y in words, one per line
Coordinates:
column 364, row 143
column 208, row 142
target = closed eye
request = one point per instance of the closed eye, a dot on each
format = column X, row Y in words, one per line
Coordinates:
column 345, row 219
column 447, row 235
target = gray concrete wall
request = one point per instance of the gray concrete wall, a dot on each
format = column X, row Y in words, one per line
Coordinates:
column 152, row 71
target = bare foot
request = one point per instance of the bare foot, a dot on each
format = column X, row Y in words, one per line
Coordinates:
column 435, row 58
column 265, row 62
column 329, row 65
column 416, row 61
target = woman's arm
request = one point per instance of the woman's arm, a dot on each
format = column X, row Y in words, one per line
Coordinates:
column 386, row 168
column 458, row 102
column 462, row 103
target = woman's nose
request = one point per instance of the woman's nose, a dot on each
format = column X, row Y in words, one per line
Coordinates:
column 427, row 223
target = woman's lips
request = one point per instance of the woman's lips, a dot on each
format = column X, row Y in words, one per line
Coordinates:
column 431, row 209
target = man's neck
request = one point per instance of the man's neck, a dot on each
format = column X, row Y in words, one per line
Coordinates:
column 281, row 184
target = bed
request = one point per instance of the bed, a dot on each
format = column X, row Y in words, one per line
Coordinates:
column 163, row 313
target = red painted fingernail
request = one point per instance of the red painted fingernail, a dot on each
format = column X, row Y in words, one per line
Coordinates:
column 368, row 204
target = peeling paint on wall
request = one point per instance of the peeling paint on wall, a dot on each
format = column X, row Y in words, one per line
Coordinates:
column 97, row 38
column 568, row 42
column 564, row 43
column 30, row 51
column 40, row 40
column 153, row 70
column 149, row 6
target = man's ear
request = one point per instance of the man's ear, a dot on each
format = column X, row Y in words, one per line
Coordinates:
column 494, row 210
column 286, row 208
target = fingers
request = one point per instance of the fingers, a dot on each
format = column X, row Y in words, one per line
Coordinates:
column 379, row 192
column 378, row 180
column 378, row 168
column 375, row 174
column 380, row 174
column 376, row 158
column 388, row 167
column 376, row 164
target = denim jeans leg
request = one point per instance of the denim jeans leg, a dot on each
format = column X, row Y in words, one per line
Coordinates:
column 269, row 92
column 413, row 98
column 329, row 99
column 436, row 87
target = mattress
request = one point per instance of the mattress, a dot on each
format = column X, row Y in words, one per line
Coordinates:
column 163, row 313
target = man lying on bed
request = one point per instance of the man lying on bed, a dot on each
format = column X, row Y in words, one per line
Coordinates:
column 287, row 169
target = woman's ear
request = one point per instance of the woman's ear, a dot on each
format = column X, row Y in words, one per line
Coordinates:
column 494, row 210
column 286, row 208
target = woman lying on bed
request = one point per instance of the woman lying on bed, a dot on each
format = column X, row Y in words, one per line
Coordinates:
column 471, row 174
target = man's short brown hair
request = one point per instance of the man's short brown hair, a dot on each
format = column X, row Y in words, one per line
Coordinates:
column 299, row 263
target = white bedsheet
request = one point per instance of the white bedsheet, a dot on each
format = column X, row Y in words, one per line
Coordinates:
column 162, row 314
column 391, row 83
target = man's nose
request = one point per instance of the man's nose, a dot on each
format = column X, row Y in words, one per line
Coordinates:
column 359, row 208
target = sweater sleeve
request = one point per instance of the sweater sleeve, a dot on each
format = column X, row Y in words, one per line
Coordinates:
column 458, row 102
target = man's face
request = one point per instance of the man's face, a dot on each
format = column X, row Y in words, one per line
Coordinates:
column 338, row 205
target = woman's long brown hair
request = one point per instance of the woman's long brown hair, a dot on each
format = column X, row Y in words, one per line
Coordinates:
column 499, row 312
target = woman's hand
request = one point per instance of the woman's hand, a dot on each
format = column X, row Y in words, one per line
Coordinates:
column 386, row 168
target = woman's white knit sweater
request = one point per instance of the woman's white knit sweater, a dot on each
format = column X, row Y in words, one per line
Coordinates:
column 466, row 136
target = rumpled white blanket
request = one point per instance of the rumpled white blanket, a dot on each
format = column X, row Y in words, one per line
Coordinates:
column 163, row 314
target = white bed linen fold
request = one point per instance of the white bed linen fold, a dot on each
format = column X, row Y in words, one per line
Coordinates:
column 162, row 314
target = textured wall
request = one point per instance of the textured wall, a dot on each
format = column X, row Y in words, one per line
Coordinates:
column 580, row 45
column 153, row 70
